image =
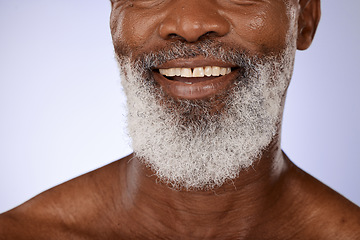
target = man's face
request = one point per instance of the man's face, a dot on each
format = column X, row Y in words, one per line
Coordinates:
column 144, row 26
column 196, row 127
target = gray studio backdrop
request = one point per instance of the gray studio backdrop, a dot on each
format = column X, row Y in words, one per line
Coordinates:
column 62, row 108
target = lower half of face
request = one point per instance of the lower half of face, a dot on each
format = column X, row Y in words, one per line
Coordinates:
column 201, row 142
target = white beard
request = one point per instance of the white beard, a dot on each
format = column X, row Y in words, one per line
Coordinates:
column 206, row 152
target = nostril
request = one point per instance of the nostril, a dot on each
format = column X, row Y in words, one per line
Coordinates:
column 174, row 36
column 208, row 35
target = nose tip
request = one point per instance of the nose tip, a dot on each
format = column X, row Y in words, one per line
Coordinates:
column 191, row 26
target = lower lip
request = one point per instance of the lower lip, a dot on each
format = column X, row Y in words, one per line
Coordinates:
column 196, row 90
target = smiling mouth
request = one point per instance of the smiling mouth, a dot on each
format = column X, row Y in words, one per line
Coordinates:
column 196, row 82
column 194, row 75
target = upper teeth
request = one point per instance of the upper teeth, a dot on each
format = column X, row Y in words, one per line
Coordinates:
column 195, row 72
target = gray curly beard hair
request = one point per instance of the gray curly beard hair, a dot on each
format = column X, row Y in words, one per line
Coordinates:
column 188, row 143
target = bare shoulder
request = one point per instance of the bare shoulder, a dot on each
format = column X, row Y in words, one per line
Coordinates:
column 67, row 211
column 324, row 213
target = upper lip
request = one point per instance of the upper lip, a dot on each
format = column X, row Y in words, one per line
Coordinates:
column 193, row 63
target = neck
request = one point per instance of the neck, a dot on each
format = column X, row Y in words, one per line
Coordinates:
column 246, row 197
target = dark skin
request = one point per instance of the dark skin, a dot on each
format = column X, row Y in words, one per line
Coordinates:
column 123, row 200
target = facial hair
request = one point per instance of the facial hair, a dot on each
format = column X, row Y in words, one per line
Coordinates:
column 189, row 144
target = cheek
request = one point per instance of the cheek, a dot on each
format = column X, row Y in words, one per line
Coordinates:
column 262, row 32
column 135, row 29
column 257, row 23
column 272, row 31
